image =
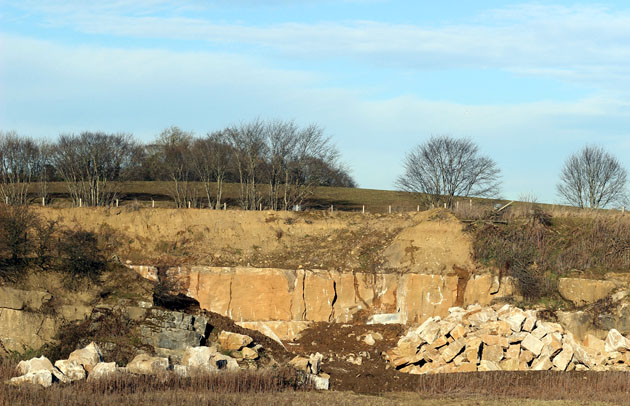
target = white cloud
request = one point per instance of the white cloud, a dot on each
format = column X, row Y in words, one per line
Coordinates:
column 582, row 44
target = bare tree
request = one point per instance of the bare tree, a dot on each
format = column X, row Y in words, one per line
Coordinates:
column 593, row 178
column 175, row 157
column 308, row 165
column 89, row 163
column 445, row 167
column 19, row 157
column 211, row 159
column 249, row 148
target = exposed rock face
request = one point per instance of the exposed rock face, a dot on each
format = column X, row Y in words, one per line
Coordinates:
column 21, row 330
column 23, row 299
column 170, row 332
column 584, row 291
column 494, row 338
column 284, row 302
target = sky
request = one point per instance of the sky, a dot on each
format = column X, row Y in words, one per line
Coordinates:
column 529, row 82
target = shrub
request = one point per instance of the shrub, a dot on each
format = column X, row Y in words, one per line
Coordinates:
column 79, row 255
column 16, row 226
column 539, row 250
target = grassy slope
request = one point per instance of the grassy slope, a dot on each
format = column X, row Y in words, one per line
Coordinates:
column 350, row 199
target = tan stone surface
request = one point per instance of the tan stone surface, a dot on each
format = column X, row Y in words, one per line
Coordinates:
column 233, row 341
column 145, row 364
column 428, row 295
column 590, row 341
column 452, row 350
column 22, row 299
column 34, row 365
column 492, row 353
column 532, row 344
column 22, row 330
column 433, row 246
column 584, row 291
column 87, row 356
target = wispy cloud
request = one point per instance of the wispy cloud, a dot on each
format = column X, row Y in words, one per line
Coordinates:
column 581, row 44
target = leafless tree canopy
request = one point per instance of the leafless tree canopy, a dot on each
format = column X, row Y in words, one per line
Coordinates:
column 445, row 167
column 89, row 162
column 173, row 149
column 19, row 164
column 593, row 178
column 211, row 158
column 277, row 164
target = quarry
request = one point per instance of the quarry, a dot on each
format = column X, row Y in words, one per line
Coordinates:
column 350, row 300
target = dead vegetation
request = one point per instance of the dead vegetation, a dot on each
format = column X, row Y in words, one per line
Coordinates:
column 539, row 248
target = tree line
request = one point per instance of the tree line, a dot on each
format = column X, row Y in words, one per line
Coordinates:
column 275, row 163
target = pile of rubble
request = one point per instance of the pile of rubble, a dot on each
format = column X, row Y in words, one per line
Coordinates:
column 87, row 363
column 503, row 338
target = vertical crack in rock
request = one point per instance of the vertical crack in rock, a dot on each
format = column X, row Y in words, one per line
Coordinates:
column 40, row 326
column 331, row 318
column 229, row 306
column 355, row 282
column 463, row 276
column 198, row 287
column 304, row 294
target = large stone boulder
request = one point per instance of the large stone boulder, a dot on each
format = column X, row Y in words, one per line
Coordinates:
column 41, row 377
column 584, row 291
column 145, row 364
column 103, row 370
column 233, row 341
column 616, row 342
column 87, row 357
column 200, row 358
column 35, row 364
column 72, row 370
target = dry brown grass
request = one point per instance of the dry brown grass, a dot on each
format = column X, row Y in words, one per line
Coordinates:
column 281, row 387
column 168, row 389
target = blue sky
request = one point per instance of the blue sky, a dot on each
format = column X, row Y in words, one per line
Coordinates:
column 531, row 83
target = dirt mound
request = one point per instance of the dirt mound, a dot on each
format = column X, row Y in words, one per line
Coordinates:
column 342, row 345
column 430, row 241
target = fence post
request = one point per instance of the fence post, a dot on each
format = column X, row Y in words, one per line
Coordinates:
column 152, row 203
column 260, row 207
column 457, row 205
column 332, row 209
column 363, row 209
column 116, row 202
column 189, row 204
column 43, row 202
column 80, row 202
column 470, row 202
column 418, row 208
column 224, row 205
column 445, row 205
column 390, row 209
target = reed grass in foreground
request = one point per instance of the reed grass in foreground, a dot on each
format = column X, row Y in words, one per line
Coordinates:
column 283, row 387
